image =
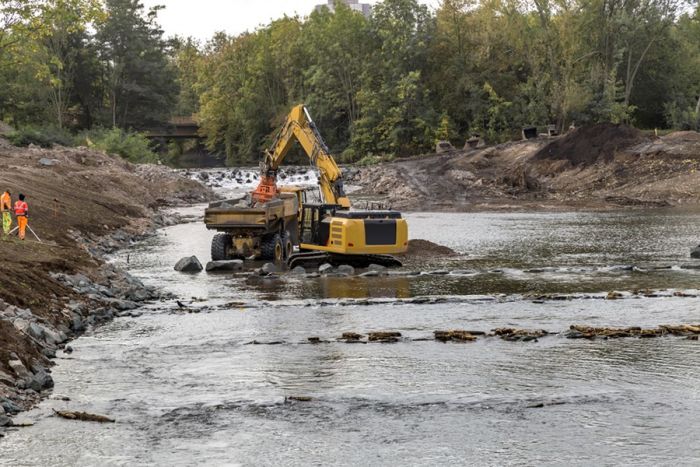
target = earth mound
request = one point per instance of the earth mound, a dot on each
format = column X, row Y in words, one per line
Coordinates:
column 427, row 248
column 590, row 144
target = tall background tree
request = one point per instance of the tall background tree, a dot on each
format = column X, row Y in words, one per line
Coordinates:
column 390, row 84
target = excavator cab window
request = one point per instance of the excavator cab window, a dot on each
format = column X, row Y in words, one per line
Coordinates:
column 313, row 230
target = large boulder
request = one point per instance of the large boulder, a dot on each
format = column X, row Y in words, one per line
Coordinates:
column 325, row 268
column 41, row 380
column 346, row 269
column 231, row 265
column 189, row 264
column 269, row 268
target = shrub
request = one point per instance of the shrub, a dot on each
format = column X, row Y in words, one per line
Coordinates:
column 44, row 137
column 132, row 146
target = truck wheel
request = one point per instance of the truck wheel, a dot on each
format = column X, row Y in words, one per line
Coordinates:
column 272, row 249
column 220, row 247
column 288, row 246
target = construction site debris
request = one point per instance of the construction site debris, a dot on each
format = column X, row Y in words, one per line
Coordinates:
column 590, row 144
column 83, row 416
column 587, row 332
column 385, row 337
column 455, row 335
column 523, row 335
column 351, row 337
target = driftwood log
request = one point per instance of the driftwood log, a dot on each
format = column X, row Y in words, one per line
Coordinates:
column 83, row 416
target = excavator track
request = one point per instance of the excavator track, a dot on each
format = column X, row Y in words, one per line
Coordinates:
column 317, row 258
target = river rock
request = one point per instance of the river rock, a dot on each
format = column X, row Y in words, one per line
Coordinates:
column 269, row 268
column 189, row 264
column 377, row 267
column 232, row 265
column 325, row 268
column 9, row 406
column 47, row 162
column 41, row 380
column 695, row 252
column 19, row 369
column 5, row 420
column 6, row 379
column 346, row 269
column 299, row 271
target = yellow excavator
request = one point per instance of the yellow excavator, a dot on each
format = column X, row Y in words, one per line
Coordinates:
column 330, row 231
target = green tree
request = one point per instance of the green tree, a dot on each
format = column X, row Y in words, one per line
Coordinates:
column 140, row 80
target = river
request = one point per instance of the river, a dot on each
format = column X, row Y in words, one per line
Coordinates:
column 187, row 386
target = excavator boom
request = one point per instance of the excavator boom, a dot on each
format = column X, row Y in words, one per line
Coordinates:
column 301, row 128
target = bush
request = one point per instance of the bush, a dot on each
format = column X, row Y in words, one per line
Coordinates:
column 132, row 146
column 44, row 137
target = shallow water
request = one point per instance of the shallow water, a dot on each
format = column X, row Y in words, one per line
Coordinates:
column 186, row 388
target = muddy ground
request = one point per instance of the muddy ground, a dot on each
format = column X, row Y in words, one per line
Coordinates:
column 83, row 204
column 601, row 167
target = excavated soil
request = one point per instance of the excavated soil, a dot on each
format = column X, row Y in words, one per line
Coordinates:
column 588, row 145
column 425, row 248
column 599, row 167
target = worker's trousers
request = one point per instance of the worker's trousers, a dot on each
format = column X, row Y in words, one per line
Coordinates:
column 6, row 222
column 22, row 223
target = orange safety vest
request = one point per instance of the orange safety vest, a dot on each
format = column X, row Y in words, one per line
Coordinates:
column 5, row 202
column 21, row 208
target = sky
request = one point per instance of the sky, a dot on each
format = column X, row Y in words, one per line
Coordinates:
column 202, row 18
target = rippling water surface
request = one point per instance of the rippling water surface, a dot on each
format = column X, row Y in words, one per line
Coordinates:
column 191, row 388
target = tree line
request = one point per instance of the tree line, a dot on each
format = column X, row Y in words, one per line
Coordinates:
column 388, row 85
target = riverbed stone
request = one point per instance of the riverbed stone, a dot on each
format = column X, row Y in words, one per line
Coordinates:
column 695, row 252
column 269, row 268
column 9, row 406
column 370, row 274
column 231, row 265
column 325, row 268
column 298, row 271
column 41, row 380
column 346, row 269
column 19, row 369
column 189, row 264
column 5, row 420
column 377, row 267
column 6, row 379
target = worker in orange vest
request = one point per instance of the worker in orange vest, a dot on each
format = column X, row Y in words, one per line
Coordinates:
column 6, row 209
column 22, row 214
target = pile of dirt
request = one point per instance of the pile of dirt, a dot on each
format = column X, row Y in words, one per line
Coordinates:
column 683, row 136
column 425, row 248
column 591, row 144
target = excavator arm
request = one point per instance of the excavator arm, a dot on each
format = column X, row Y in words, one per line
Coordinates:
column 301, row 128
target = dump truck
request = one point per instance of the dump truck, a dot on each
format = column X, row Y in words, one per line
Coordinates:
column 264, row 231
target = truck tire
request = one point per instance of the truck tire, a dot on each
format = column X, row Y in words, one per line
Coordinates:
column 287, row 244
column 220, row 246
column 272, row 248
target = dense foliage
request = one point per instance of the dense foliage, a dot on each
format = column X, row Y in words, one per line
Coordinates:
column 388, row 85
column 396, row 82
column 78, row 64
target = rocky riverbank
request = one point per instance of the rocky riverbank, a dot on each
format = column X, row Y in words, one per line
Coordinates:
column 83, row 205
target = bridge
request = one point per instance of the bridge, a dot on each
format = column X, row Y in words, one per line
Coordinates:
column 185, row 127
